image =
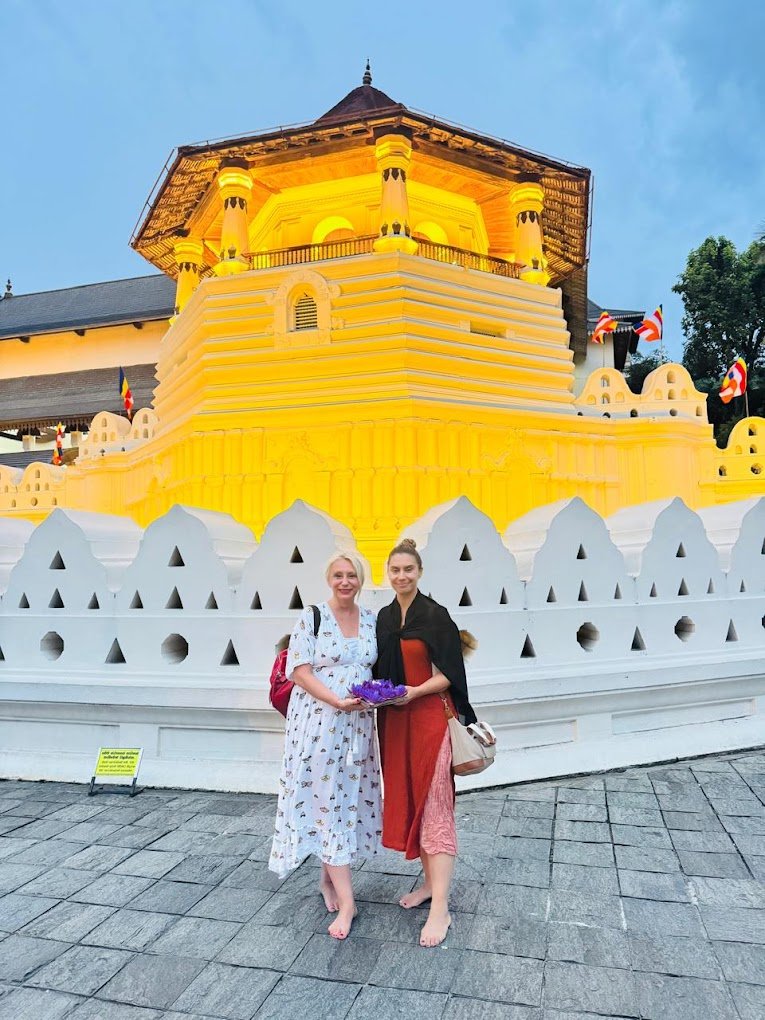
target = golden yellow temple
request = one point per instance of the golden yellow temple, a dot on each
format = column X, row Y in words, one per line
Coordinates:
column 376, row 312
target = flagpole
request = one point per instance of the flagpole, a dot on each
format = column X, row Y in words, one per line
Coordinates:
column 746, row 401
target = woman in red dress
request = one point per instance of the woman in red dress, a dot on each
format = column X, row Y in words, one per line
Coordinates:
column 419, row 646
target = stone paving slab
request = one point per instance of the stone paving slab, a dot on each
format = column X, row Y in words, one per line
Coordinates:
column 635, row 894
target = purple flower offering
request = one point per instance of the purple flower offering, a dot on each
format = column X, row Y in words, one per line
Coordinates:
column 378, row 692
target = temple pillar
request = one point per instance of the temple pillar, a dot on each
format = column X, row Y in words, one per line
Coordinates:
column 526, row 204
column 235, row 186
column 189, row 257
column 394, row 154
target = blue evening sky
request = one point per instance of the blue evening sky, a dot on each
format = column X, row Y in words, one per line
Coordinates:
column 665, row 102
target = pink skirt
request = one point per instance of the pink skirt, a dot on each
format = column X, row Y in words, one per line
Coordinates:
column 438, row 833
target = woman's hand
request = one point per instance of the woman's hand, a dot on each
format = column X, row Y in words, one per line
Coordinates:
column 405, row 699
column 349, row 705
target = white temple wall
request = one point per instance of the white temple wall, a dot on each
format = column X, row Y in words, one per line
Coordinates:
column 650, row 648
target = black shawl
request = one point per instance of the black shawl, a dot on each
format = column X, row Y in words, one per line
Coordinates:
column 430, row 623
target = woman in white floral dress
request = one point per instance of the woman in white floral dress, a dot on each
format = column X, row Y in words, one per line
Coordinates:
column 329, row 790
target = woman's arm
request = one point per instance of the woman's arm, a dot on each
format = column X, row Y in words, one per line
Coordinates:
column 437, row 683
column 305, row 678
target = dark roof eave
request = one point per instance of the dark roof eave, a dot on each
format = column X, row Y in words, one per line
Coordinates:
column 369, row 120
column 98, row 322
column 373, row 116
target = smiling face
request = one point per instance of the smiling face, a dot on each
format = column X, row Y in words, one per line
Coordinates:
column 404, row 573
column 343, row 580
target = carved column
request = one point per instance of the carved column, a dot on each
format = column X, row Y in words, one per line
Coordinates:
column 394, row 154
column 527, row 203
column 189, row 259
column 235, row 185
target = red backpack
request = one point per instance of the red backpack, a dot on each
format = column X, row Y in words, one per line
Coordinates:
column 280, row 686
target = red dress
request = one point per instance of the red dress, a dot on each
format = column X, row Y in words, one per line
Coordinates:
column 411, row 737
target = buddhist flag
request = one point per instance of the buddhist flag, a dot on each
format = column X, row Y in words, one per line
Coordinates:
column 605, row 324
column 58, row 450
column 127, row 396
column 650, row 329
column 734, row 381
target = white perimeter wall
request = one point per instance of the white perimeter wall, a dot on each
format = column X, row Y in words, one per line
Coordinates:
column 602, row 643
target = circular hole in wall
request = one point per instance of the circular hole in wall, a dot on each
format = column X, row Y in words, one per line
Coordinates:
column 756, row 469
column 33, row 501
column 52, row 645
column 175, row 648
column 673, row 411
column 588, row 636
column 684, row 628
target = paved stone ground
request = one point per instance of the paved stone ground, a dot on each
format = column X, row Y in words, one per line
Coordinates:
column 633, row 894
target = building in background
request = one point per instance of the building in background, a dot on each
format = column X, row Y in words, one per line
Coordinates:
column 60, row 355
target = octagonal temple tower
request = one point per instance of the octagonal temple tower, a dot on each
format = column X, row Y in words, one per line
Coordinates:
column 377, row 312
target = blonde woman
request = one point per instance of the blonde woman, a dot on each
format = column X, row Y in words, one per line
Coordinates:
column 329, row 790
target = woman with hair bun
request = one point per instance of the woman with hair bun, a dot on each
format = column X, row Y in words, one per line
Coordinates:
column 419, row 646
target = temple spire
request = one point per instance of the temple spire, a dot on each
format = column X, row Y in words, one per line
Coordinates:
column 367, row 79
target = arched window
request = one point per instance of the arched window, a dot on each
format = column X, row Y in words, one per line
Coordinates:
column 429, row 231
column 341, row 234
column 332, row 228
column 305, row 313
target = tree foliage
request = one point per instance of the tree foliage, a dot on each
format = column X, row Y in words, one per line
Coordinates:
column 723, row 292
column 640, row 367
column 724, row 296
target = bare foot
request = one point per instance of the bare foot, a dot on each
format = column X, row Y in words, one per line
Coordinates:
column 327, row 890
column 416, row 898
column 435, row 930
column 341, row 926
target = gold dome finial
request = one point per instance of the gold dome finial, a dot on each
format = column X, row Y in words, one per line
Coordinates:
column 367, row 79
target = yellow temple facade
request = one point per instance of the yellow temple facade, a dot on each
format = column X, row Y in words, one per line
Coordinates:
column 376, row 314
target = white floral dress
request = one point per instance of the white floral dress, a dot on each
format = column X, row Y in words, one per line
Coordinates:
column 329, row 789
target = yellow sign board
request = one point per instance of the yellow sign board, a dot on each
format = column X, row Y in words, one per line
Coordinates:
column 118, row 761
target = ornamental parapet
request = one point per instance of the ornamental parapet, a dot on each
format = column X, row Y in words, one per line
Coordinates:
column 301, row 254
column 668, row 391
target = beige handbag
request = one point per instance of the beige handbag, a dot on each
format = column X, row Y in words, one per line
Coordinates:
column 473, row 747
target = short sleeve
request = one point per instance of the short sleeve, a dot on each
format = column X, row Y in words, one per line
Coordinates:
column 302, row 643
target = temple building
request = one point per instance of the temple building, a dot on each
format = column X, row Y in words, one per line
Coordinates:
column 60, row 355
column 374, row 312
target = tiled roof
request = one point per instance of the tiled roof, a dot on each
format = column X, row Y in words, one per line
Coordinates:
column 71, row 397
column 622, row 314
column 360, row 101
column 140, row 299
column 21, row 458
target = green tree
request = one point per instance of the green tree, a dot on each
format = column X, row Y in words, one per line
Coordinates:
column 640, row 366
column 723, row 292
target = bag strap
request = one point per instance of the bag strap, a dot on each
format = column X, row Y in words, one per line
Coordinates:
column 316, row 620
column 447, row 710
